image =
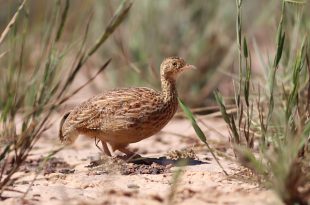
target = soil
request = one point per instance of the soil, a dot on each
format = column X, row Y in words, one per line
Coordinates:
column 176, row 168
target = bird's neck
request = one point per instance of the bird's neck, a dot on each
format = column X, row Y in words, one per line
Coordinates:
column 169, row 91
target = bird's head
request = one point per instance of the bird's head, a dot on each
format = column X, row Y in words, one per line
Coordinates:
column 172, row 67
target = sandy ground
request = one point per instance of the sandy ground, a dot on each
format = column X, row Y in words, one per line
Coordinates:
column 72, row 176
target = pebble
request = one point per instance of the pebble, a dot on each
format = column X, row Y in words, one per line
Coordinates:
column 133, row 186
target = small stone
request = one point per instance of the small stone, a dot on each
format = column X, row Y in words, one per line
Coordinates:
column 66, row 171
column 100, row 172
column 133, row 186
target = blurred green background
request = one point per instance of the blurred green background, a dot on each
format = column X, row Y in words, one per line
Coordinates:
column 203, row 32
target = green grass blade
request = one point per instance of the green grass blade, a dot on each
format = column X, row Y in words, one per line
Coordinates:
column 220, row 102
column 227, row 118
column 245, row 48
column 198, row 131
column 62, row 20
column 119, row 16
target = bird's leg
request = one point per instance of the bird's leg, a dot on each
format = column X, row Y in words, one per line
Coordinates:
column 96, row 143
column 106, row 148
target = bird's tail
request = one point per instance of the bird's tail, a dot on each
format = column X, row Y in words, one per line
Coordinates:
column 60, row 134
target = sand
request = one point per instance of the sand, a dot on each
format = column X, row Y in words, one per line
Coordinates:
column 80, row 174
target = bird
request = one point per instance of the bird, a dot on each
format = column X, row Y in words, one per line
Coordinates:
column 123, row 116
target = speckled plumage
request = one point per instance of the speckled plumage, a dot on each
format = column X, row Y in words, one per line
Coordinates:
column 123, row 116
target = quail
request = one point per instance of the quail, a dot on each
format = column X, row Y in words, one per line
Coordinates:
column 127, row 115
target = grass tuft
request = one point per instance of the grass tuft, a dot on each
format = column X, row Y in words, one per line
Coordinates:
column 280, row 119
column 29, row 94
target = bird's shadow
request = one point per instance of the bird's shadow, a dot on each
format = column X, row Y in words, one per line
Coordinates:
column 165, row 161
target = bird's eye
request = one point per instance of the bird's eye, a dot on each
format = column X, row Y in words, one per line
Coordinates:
column 174, row 64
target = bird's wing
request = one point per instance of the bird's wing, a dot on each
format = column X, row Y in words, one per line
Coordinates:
column 114, row 110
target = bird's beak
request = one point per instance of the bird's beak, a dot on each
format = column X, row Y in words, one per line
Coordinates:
column 188, row 67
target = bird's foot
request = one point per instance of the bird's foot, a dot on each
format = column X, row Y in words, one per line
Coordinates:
column 130, row 157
